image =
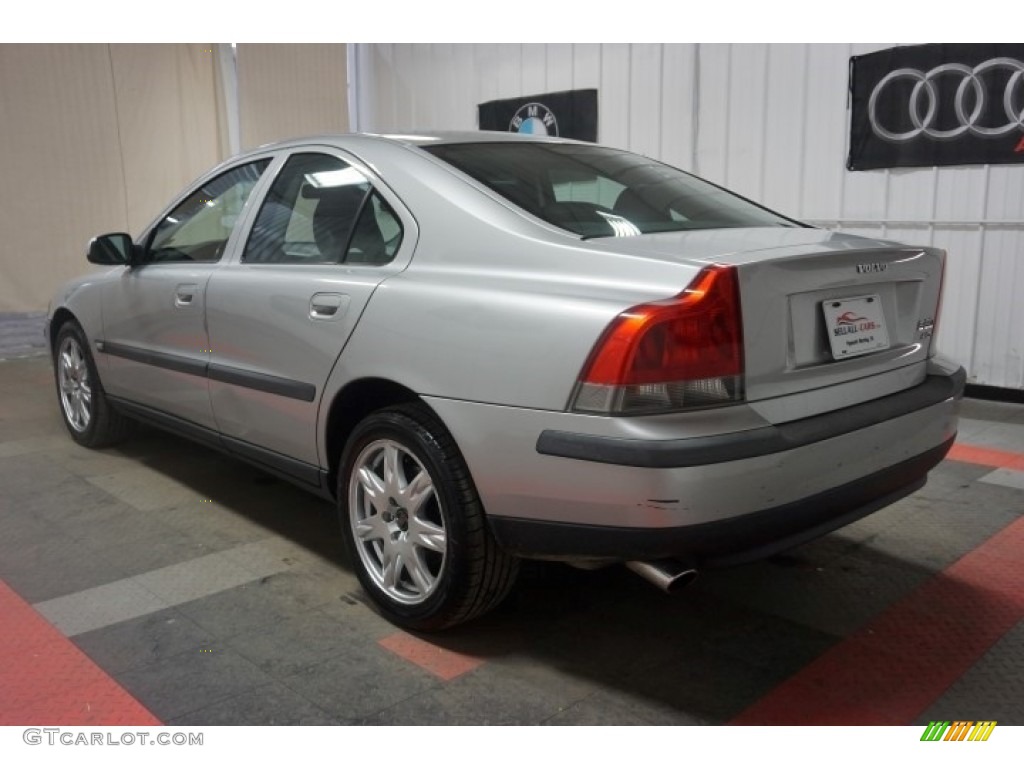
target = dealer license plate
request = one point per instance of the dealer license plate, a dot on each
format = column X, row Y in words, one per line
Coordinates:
column 855, row 326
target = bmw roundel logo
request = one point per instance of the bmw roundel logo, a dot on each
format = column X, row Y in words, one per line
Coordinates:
column 534, row 118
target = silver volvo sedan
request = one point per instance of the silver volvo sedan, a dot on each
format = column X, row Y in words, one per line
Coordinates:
column 487, row 347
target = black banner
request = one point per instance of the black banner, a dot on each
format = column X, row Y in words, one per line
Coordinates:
column 570, row 114
column 940, row 104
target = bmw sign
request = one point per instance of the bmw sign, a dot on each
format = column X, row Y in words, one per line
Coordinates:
column 570, row 114
column 534, row 118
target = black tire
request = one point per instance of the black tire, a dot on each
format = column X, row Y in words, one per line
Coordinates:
column 93, row 423
column 471, row 576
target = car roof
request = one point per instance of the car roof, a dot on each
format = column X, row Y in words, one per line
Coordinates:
column 414, row 138
column 470, row 137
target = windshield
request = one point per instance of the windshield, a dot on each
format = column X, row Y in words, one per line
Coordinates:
column 601, row 192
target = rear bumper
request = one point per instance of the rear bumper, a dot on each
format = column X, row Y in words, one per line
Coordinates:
column 728, row 541
column 716, row 486
column 701, row 451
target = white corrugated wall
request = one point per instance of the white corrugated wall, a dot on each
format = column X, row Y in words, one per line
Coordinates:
column 769, row 121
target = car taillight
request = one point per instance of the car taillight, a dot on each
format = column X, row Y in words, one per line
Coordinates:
column 679, row 353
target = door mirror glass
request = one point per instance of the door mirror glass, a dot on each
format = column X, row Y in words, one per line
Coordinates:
column 114, row 248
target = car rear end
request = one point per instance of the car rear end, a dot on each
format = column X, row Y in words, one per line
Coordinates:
column 816, row 427
column 785, row 386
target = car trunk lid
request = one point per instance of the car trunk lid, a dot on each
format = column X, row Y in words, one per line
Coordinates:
column 802, row 288
column 824, row 319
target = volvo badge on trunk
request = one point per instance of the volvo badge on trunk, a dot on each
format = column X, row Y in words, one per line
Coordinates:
column 865, row 268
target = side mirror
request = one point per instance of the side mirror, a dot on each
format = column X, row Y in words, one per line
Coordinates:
column 115, row 248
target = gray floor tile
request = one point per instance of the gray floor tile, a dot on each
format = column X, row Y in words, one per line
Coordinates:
column 352, row 610
column 322, row 583
column 1009, row 478
column 198, row 578
column 213, row 524
column 192, row 680
column 18, row 531
column 991, row 410
column 254, row 606
column 942, row 533
column 296, row 644
column 99, row 607
column 1004, row 437
column 776, row 646
column 497, row 694
column 361, row 682
column 993, row 689
column 144, row 489
column 47, row 444
column 625, row 708
column 56, row 566
column 599, row 709
column 144, row 641
column 710, row 689
column 147, row 547
column 267, row 556
column 273, row 704
column 834, row 599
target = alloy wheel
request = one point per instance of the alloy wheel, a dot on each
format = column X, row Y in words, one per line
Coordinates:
column 75, row 386
column 397, row 521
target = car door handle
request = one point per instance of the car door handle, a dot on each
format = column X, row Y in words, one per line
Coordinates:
column 327, row 306
column 184, row 293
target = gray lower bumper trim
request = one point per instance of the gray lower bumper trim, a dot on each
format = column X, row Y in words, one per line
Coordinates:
column 729, row 541
column 700, row 451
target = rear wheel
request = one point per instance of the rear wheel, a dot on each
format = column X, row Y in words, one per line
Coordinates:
column 414, row 523
column 83, row 404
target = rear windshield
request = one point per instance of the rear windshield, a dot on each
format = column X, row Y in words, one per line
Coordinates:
column 601, row 192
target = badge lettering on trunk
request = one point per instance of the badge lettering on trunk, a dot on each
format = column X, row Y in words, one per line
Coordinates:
column 866, row 268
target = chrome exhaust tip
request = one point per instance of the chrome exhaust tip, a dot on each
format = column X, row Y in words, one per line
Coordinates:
column 667, row 575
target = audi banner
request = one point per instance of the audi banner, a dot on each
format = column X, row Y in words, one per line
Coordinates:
column 570, row 114
column 940, row 104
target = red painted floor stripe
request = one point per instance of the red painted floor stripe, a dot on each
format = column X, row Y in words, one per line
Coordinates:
column 990, row 457
column 46, row 680
column 436, row 660
column 892, row 669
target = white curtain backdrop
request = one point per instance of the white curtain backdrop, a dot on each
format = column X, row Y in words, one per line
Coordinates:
column 93, row 139
column 291, row 90
column 97, row 138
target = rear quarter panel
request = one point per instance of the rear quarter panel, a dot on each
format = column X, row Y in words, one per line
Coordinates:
column 494, row 306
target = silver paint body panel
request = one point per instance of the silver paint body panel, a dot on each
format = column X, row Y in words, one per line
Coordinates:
column 140, row 310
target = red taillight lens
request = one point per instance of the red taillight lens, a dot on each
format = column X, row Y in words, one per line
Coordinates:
column 682, row 352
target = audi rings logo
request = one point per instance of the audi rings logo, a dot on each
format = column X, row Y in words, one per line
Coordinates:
column 972, row 105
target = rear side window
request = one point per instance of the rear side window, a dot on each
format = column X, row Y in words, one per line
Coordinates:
column 600, row 192
column 321, row 210
column 377, row 235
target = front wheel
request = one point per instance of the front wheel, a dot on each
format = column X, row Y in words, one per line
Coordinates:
column 414, row 523
column 83, row 403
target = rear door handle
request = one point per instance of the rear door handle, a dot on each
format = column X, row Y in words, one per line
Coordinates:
column 184, row 294
column 327, row 306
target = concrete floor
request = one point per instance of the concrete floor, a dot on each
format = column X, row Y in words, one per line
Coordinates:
column 214, row 594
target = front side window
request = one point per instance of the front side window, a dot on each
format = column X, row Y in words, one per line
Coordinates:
column 199, row 227
column 600, row 192
column 320, row 210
